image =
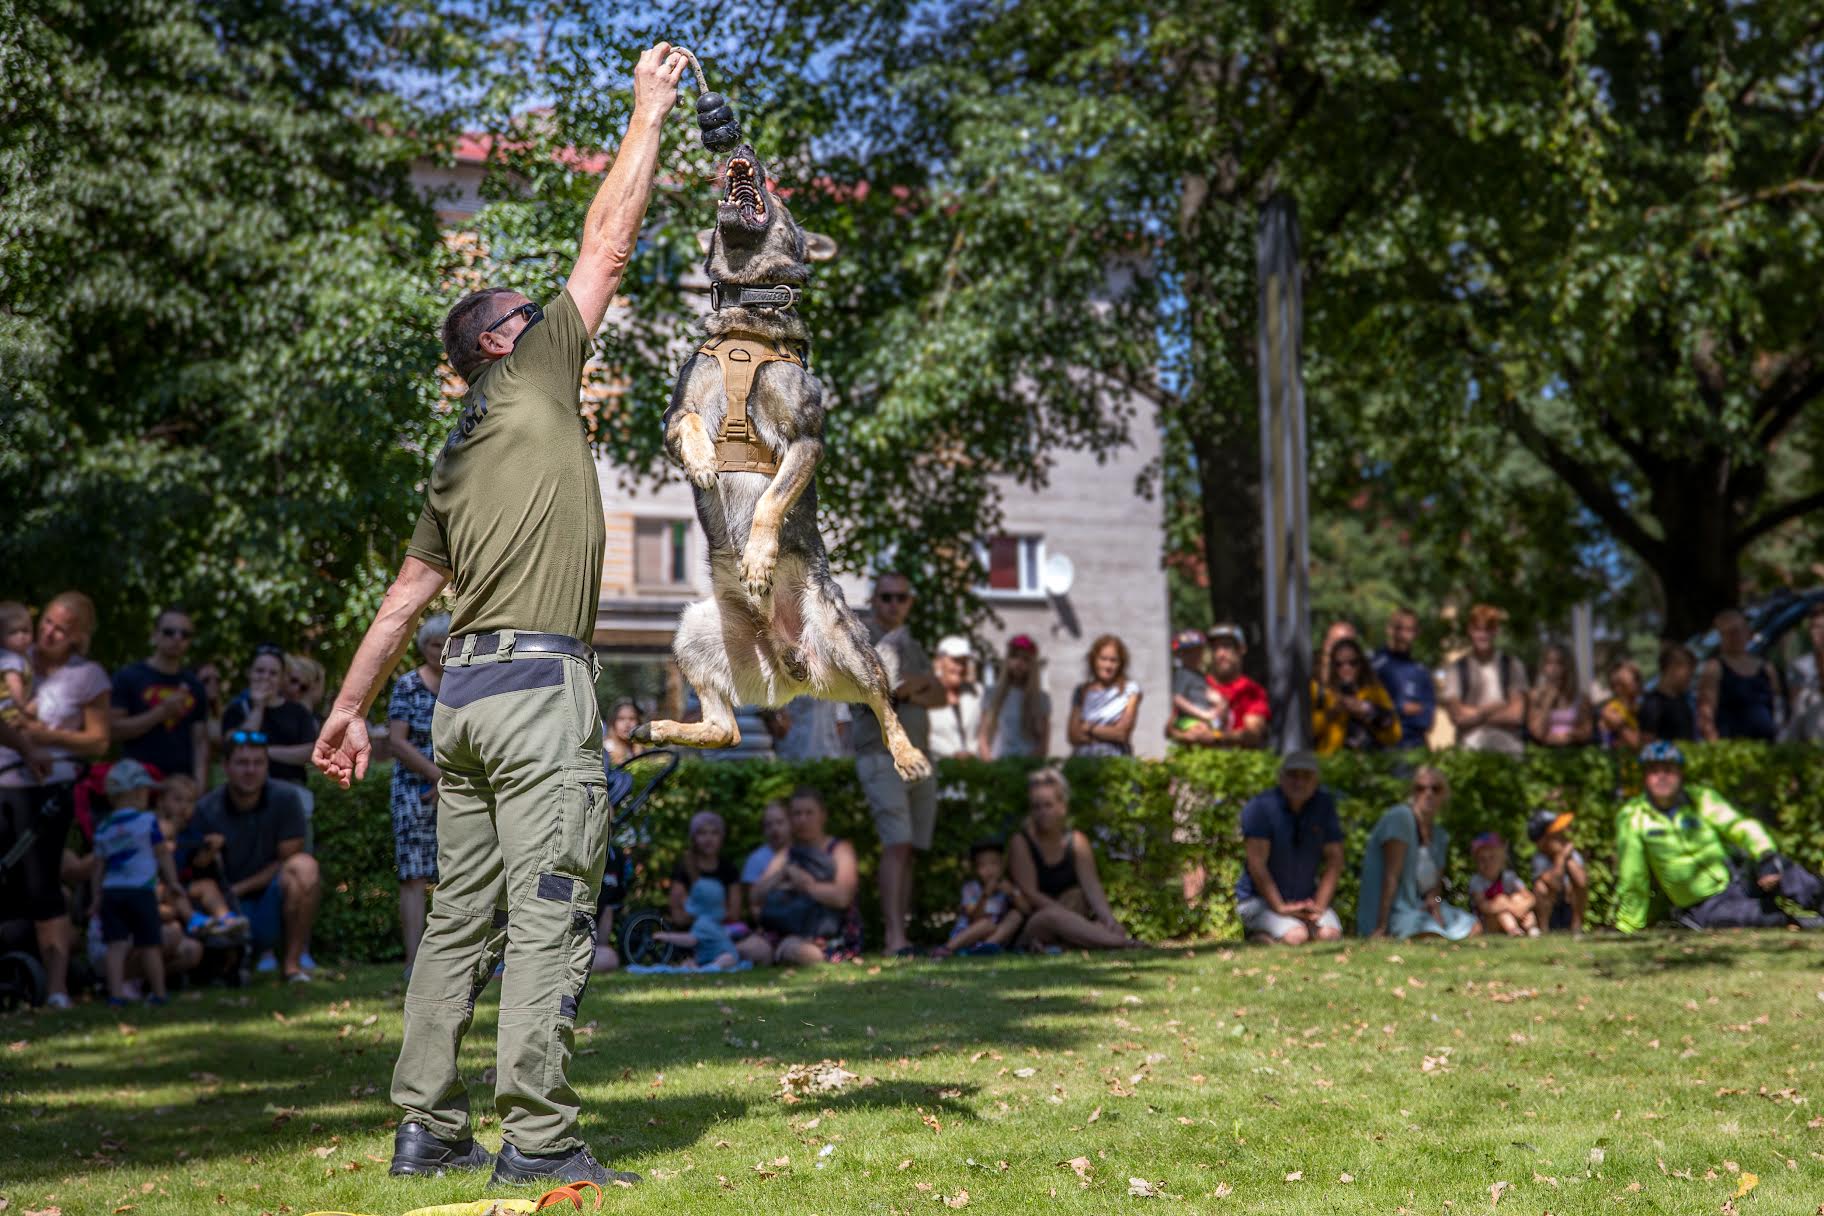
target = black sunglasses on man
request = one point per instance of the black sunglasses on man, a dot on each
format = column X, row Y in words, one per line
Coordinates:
column 530, row 311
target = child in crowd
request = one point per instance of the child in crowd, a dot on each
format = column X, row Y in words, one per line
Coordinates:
column 212, row 916
column 1193, row 700
column 128, row 844
column 1504, row 903
column 714, row 947
column 15, row 663
column 991, row 909
column 1561, row 884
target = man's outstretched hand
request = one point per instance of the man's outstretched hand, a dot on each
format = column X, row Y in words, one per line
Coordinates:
column 342, row 748
column 655, row 79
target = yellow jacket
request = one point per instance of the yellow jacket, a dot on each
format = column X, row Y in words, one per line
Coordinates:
column 1330, row 719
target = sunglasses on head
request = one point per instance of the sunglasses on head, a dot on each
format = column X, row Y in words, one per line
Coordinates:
column 169, row 631
column 272, row 649
column 255, row 737
column 893, row 597
column 530, row 311
column 1427, row 787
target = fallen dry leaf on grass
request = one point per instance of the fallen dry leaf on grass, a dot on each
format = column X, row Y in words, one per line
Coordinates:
column 931, row 1122
column 1296, row 1176
column 1345, row 1177
column 823, row 1077
column 958, row 1200
column 1094, row 1115
column 1223, row 1191
column 1082, row 1168
column 1140, row 1188
column 1748, row 1183
column 1496, row 1191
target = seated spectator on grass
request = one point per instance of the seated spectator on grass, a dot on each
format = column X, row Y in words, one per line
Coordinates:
column 707, row 939
column 1805, row 717
column 1349, row 708
column 159, row 716
column 775, row 834
column 956, row 723
column 990, row 909
column 623, row 720
column 617, row 878
column 1246, row 700
column 1407, row 681
column 1016, row 717
column 212, row 917
column 1666, row 712
column 1055, row 871
column 1505, row 904
column 1294, row 844
column 1557, row 714
column 256, row 825
column 702, row 858
column 1738, row 692
column 1618, row 722
column 1485, row 690
column 1402, row 892
column 1561, row 881
column 1103, row 709
column 131, row 863
column 265, row 708
column 1678, row 838
column 409, row 711
column 807, row 895
column 1199, row 713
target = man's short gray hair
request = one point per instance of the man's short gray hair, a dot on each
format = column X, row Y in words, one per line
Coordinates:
column 436, row 625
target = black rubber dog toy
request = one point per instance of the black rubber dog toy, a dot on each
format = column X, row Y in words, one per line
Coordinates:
column 716, row 119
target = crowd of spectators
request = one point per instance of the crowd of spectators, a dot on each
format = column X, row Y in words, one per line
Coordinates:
column 199, row 835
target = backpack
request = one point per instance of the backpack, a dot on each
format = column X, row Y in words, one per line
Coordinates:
column 1503, row 663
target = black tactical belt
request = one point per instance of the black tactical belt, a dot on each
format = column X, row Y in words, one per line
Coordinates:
column 783, row 296
column 528, row 643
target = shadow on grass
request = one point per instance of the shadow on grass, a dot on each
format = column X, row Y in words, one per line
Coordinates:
column 278, row 1073
column 1622, row 958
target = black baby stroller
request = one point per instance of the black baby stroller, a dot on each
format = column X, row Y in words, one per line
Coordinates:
column 630, row 785
column 22, row 978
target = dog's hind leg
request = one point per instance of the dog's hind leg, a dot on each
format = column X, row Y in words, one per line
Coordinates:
column 854, row 673
column 796, row 469
column 700, row 649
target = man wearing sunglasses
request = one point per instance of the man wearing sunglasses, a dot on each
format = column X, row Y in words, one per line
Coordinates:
column 512, row 521
column 158, row 715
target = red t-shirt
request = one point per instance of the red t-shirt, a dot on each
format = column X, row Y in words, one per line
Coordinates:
column 1245, row 699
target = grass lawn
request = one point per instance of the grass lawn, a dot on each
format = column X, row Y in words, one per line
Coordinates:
column 1651, row 1075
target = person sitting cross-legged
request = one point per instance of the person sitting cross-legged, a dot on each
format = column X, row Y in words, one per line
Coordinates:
column 1678, row 838
column 256, row 825
column 1055, row 870
column 1294, row 843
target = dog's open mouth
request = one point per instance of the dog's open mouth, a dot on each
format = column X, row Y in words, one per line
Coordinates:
column 742, row 189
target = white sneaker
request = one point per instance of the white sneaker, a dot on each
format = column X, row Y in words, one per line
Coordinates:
column 57, row 1000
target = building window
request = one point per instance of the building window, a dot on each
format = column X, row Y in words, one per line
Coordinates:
column 659, row 549
column 1013, row 564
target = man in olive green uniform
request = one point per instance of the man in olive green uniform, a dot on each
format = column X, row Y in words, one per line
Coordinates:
column 513, row 519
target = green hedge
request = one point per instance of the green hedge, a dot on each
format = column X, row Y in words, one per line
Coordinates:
column 1150, row 821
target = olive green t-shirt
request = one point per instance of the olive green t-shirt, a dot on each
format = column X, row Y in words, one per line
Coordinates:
column 514, row 510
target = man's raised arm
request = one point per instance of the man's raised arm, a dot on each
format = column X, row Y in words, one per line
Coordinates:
column 620, row 204
column 342, row 748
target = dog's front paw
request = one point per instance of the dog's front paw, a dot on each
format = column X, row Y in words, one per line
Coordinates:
column 757, row 565
column 911, row 764
column 701, row 472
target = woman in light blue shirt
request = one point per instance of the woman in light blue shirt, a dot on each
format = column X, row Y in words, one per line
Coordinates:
column 1403, row 870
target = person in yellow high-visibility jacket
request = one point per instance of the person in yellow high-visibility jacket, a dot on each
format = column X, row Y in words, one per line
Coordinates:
column 1679, row 837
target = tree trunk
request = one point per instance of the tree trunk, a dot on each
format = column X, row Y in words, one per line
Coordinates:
column 1228, row 474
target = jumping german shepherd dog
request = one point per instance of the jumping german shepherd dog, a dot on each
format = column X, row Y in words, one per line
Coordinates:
column 776, row 625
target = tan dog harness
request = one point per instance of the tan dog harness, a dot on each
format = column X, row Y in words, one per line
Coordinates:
column 741, row 355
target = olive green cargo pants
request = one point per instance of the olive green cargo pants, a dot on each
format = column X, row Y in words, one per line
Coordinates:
column 522, row 828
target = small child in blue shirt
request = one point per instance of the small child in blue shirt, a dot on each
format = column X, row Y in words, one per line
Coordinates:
column 127, row 844
column 714, row 947
column 990, row 908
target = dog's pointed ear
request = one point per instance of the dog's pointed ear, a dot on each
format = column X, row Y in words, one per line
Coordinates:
column 704, row 237
column 818, row 247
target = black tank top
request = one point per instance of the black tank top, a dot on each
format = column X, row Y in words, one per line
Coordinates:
column 1055, row 878
column 1744, row 704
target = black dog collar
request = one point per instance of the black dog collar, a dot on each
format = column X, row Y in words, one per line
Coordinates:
column 783, row 296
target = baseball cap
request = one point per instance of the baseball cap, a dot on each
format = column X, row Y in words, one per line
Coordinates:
column 1302, row 761
column 1020, row 641
column 1662, row 751
column 125, row 776
column 1543, row 823
column 1188, row 639
column 1227, row 633
column 955, row 646
column 1487, row 840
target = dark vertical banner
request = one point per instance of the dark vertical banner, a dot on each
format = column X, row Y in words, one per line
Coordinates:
column 1282, row 477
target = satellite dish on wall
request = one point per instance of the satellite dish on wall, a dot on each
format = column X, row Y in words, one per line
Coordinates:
column 1059, row 573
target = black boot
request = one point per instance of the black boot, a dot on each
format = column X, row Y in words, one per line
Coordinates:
column 576, row 1165
column 417, row 1151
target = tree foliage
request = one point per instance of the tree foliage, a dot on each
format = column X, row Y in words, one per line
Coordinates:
column 217, row 326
